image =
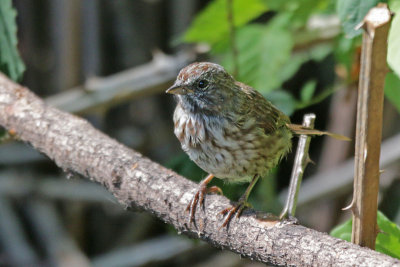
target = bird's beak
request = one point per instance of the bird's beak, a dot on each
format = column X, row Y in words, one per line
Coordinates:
column 178, row 90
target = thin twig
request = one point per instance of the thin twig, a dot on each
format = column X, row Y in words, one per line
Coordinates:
column 300, row 164
column 231, row 23
column 138, row 183
column 369, row 125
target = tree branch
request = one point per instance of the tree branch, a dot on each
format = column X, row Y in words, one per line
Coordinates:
column 138, row 183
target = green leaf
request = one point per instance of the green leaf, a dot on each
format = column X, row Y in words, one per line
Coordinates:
column 300, row 10
column 297, row 59
column 387, row 242
column 10, row 61
column 393, row 56
column 283, row 101
column 211, row 25
column 308, row 90
column 316, row 99
column 343, row 231
column 263, row 51
column 352, row 12
column 392, row 89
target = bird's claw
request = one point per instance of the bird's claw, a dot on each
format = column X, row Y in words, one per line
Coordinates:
column 198, row 198
column 289, row 219
column 235, row 209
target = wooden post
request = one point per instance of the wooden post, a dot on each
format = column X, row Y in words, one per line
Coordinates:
column 369, row 125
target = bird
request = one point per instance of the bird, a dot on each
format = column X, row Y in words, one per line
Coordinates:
column 229, row 130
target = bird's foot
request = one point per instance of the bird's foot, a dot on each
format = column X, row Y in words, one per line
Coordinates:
column 198, row 198
column 234, row 210
column 289, row 219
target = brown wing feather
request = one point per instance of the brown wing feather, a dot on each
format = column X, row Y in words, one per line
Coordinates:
column 270, row 118
column 300, row 129
column 267, row 116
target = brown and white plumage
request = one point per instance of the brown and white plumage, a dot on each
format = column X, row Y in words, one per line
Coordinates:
column 229, row 129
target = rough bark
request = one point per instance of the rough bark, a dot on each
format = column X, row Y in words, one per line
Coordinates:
column 138, row 183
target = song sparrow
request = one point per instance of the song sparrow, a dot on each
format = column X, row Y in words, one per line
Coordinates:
column 228, row 129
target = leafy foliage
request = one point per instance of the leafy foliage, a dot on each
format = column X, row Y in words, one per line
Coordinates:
column 10, row 61
column 345, row 54
column 300, row 10
column 352, row 12
column 283, row 100
column 393, row 56
column 263, row 51
column 211, row 24
column 392, row 89
column 387, row 241
column 308, row 90
column 318, row 53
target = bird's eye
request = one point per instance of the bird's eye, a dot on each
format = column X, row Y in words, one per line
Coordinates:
column 202, row 84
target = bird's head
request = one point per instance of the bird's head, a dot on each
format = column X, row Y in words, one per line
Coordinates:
column 203, row 86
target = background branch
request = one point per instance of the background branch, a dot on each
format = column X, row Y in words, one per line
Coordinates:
column 138, row 183
column 145, row 80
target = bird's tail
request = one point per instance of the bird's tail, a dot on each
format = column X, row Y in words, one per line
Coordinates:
column 300, row 129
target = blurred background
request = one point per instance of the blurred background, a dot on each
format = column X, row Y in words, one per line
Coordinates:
column 111, row 61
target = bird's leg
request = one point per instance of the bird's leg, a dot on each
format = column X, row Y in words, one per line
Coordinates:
column 241, row 204
column 199, row 196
